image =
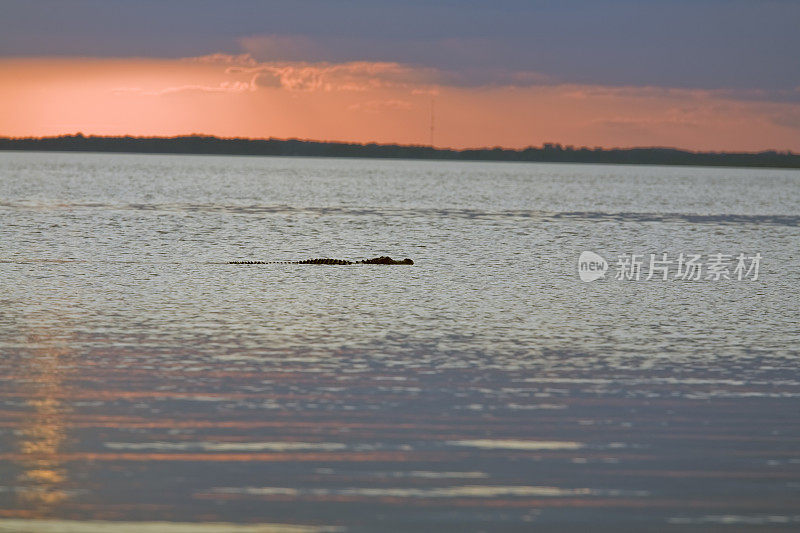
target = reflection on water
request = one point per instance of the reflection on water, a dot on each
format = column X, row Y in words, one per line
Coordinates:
column 146, row 385
column 41, row 485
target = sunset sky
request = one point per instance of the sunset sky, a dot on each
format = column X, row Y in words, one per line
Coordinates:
column 696, row 74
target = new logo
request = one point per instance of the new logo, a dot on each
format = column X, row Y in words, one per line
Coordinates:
column 591, row 266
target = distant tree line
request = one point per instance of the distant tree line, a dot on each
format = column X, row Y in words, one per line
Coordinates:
column 550, row 153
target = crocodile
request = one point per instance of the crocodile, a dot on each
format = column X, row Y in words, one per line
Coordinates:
column 383, row 260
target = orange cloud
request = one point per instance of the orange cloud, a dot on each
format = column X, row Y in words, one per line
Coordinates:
column 371, row 101
column 223, row 87
column 350, row 76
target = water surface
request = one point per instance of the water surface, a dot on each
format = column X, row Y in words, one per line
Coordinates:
column 143, row 380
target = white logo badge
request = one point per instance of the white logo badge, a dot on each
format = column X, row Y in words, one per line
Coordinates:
column 591, row 266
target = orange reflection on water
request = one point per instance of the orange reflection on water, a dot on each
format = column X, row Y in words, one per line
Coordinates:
column 43, row 433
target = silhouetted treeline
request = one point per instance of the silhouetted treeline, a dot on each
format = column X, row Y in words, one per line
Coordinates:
column 201, row 144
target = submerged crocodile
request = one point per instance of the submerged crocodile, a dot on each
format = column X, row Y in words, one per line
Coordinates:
column 383, row 260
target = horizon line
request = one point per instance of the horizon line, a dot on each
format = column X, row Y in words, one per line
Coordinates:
column 557, row 146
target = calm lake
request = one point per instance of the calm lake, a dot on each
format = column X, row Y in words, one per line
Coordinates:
column 485, row 388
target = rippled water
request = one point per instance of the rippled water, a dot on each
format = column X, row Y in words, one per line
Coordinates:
column 146, row 384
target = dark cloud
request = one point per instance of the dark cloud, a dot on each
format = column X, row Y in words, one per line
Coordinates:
column 739, row 45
